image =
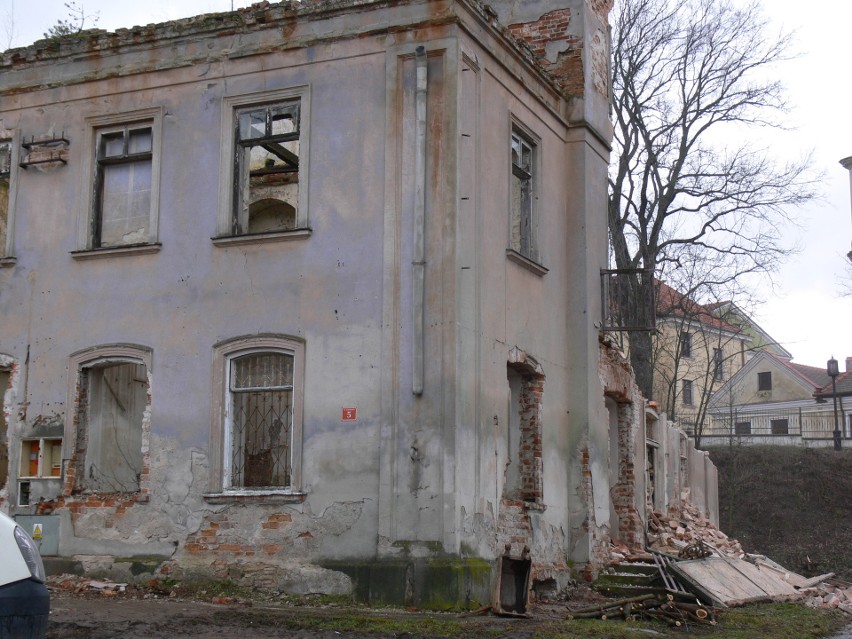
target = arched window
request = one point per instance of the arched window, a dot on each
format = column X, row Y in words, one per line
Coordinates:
column 257, row 415
column 110, row 422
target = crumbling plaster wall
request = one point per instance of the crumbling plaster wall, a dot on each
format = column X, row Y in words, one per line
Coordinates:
column 413, row 477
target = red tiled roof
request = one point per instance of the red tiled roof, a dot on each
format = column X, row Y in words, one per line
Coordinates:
column 673, row 303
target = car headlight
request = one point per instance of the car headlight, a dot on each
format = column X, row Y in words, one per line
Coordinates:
column 30, row 553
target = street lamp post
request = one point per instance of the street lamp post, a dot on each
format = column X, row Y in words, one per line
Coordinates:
column 833, row 371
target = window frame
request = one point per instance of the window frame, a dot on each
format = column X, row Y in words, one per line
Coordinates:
column 764, row 381
column 685, row 343
column 779, row 424
column 223, row 354
column 531, row 257
column 231, row 107
column 718, row 364
column 96, row 128
column 742, row 428
column 7, row 248
column 687, row 389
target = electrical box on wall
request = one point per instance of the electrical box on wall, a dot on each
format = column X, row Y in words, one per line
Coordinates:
column 44, row 529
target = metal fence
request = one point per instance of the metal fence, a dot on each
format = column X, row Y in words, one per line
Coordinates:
column 804, row 423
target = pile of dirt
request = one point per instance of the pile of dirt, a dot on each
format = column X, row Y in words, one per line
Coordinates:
column 789, row 503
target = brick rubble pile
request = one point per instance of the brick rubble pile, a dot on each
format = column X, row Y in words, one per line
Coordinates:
column 674, row 534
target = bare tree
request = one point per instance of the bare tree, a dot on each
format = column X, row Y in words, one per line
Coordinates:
column 76, row 22
column 7, row 31
column 690, row 79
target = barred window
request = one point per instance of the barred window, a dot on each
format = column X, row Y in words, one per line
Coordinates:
column 257, row 420
column 261, row 419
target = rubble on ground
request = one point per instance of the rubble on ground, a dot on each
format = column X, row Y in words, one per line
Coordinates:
column 674, row 534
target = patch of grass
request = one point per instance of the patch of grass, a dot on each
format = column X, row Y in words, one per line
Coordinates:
column 778, row 621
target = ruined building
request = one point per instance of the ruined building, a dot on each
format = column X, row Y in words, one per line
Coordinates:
column 307, row 295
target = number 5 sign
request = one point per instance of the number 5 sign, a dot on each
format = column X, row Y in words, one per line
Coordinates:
column 349, row 414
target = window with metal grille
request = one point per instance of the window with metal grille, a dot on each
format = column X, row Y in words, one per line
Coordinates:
column 260, row 388
column 742, row 428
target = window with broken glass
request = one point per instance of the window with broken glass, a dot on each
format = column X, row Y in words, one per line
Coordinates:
column 5, row 189
column 259, row 435
column 522, row 229
column 266, row 182
column 123, row 187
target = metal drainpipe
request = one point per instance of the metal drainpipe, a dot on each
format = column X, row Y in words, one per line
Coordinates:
column 419, row 259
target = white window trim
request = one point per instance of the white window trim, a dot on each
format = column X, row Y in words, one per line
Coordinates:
column 220, row 437
column 7, row 258
column 96, row 125
column 230, row 105
column 533, row 262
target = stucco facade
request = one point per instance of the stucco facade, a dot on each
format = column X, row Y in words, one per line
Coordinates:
column 280, row 304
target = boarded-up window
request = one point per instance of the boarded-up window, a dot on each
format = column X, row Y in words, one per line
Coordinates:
column 112, row 401
column 764, row 381
column 266, row 183
column 261, row 419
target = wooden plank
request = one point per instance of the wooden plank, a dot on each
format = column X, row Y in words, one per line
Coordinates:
column 731, row 582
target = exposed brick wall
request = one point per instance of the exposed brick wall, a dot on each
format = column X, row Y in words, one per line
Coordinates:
column 619, row 385
column 514, row 530
column 567, row 68
column 530, row 460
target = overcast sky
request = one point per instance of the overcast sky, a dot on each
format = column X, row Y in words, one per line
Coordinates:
column 805, row 312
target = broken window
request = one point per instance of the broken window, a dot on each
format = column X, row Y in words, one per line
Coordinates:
column 123, row 186
column 686, row 395
column 5, row 190
column 258, row 429
column 764, row 381
column 522, row 221
column 266, row 184
column 122, row 203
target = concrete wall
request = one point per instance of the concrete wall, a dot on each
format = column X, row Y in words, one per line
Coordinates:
column 414, row 488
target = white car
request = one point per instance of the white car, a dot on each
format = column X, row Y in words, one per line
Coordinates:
column 24, row 600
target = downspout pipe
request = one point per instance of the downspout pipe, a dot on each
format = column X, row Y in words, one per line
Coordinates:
column 419, row 258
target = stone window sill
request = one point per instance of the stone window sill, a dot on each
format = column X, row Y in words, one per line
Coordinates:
column 116, row 251
column 255, row 496
column 262, row 238
column 525, row 262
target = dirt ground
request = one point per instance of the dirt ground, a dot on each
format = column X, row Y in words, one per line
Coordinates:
column 97, row 617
